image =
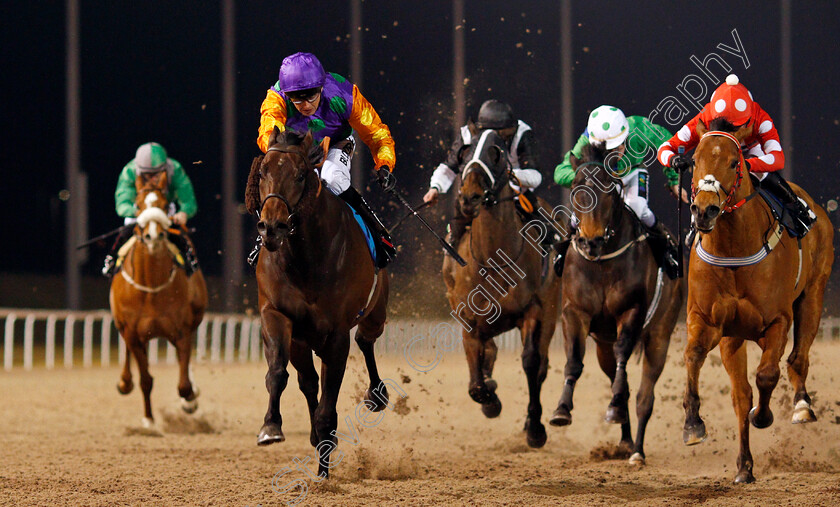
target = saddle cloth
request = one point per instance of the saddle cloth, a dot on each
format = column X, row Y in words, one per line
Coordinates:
column 173, row 251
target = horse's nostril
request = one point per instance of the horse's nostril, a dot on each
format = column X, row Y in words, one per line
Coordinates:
column 261, row 227
column 694, row 208
column 147, row 237
column 712, row 211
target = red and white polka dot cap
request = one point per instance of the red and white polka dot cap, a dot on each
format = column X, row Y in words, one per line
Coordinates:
column 732, row 101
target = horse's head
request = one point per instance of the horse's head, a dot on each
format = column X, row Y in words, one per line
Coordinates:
column 718, row 170
column 151, row 204
column 596, row 198
column 282, row 185
column 484, row 171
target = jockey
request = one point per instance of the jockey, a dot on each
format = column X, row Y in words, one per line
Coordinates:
column 628, row 141
column 762, row 149
column 328, row 105
column 151, row 158
column 521, row 148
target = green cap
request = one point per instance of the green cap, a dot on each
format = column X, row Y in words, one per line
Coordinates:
column 150, row 157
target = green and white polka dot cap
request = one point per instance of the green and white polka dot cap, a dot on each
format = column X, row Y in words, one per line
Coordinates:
column 607, row 124
column 150, row 157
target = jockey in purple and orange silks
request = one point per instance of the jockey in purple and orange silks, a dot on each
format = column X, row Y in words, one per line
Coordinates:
column 328, row 105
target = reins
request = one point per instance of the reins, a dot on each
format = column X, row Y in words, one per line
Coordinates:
column 292, row 210
column 739, row 176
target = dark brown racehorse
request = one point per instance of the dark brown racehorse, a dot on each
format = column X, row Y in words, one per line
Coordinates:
column 729, row 304
column 614, row 292
column 152, row 297
column 504, row 284
column 316, row 281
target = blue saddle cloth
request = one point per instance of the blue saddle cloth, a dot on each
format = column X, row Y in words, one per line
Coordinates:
column 366, row 231
column 780, row 212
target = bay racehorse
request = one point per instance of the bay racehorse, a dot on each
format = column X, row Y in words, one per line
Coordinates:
column 152, row 297
column 316, row 280
column 614, row 292
column 748, row 280
column 506, row 283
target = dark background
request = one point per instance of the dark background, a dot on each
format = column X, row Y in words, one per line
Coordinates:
column 152, row 71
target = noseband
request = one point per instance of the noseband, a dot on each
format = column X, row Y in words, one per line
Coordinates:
column 293, row 211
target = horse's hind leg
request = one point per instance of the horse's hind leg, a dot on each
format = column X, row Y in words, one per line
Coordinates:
column 301, row 357
column 656, row 352
column 474, row 347
column 767, row 376
column 376, row 396
column 334, row 362
column 607, row 362
column 535, row 364
column 629, row 328
column 806, row 322
column 491, row 350
column 125, row 385
column 183, row 347
column 733, row 353
column 575, row 329
column 276, row 333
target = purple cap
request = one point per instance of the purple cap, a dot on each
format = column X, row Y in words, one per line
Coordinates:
column 301, row 71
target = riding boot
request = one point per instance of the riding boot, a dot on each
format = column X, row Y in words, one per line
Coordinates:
column 665, row 249
column 111, row 258
column 255, row 252
column 185, row 247
column 385, row 250
column 802, row 214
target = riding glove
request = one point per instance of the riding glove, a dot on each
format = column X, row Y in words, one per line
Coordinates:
column 387, row 180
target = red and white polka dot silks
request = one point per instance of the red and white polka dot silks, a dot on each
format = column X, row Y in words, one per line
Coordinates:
column 733, row 101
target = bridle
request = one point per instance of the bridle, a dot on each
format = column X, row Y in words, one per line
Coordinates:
column 712, row 185
column 609, row 230
column 291, row 222
column 491, row 192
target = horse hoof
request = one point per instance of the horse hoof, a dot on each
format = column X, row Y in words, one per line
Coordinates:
column 148, row 423
column 802, row 413
column 480, row 394
column 561, row 417
column 693, row 435
column 616, row 415
column 760, row 421
column 189, row 406
column 491, row 384
column 536, row 434
column 492, row 408
column 637, row 459
column 125, row 387
column 269, row 434
column 376, row 403
column 744, row 477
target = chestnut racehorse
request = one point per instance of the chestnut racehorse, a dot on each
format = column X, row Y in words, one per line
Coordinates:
column 505, row 283
column 316, row 280
column 614, row 292
column 748, row 280
column 151, row 297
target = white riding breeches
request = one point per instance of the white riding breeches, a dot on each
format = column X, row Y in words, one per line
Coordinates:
column 336, row 169
column 635, row 194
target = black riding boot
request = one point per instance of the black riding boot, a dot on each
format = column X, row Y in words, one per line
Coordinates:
column 385, row 251
column 186, row 248
column 803, row 216
column 665, row 249
column 111, row 258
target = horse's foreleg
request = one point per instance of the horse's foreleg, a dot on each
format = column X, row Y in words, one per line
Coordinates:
column 656, row 352
column 125, row 385
column 629, row 326
column 474, row 348
column 701, row 339
column 146, row 381
column 733, row 353
column 575, row 329
column 806, row 318
column 606, row 360
column 491, row 350
column 301, row 357
column 334, row 362
column 276, row 333
column 183, row 346
column 534, row 362
column 767, row 376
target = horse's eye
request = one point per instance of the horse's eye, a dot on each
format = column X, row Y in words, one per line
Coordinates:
column 734, row 164
column 300, row 177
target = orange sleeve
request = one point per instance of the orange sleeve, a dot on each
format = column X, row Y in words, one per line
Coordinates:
column 272, row 114
column 373, row 132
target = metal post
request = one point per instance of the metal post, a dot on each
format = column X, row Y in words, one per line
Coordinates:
column 357, row 175
column 231, row 218
column 458, row 74
column 566, row 82
column 72, row 128
column 787, row 93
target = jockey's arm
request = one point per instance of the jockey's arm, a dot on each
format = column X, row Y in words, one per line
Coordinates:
column 685, row 137
column 653, row 136
column 375, row 134
column 772, row 158
column 564, row 174
column 272, row 114
column 528, row 172
column 126, row 192
column 182, row 190
column 445, row 173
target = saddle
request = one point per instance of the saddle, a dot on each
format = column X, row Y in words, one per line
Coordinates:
column 174, row 252
column 780, row 212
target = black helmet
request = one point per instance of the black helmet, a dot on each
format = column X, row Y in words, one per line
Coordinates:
column 495, row 115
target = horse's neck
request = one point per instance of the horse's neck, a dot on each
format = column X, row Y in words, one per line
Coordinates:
column 148, row 268
column 496, row 227
column 739, row 233
column 317, row 236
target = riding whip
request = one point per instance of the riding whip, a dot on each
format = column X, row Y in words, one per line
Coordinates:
column 446, row 246
column 681, row 150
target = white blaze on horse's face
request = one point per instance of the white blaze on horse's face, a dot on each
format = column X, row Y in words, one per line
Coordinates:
column 153, row 223
column 476, row 161
column 708, row 184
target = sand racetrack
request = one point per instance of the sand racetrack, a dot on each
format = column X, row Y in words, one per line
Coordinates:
column 68, row 438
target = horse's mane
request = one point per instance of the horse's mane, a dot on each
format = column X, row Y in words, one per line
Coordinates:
column 721, row 124
column 593, row 153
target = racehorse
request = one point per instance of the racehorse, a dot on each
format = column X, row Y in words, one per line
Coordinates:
column 152, row 297
column 748, row 280
column 316, row 280
column 614, row 292
column 505, row 283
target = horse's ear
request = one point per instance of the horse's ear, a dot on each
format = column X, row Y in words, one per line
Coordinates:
column 701, row 128
column 252, row 189
column 472, row 128
column 744, row 132
column 162, row 179
column 318, row 152
column 275, row 135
